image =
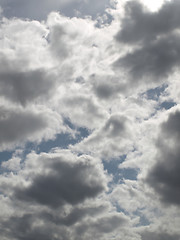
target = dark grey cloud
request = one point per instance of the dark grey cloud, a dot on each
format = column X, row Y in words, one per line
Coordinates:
column 17, row 125
column 45, row 226
column 156, row 60
column 115, row 126
column 164, row 176
column 104, row 90
column 66, row 182
column 101, row 226
column 52, row 202
column 171, row 128
column 76, row 215
column 141, row 25
column 155, row 40
column 159, row 236
column 23, row 228
column 24, row 86
column 107, row 87
column 20, row 125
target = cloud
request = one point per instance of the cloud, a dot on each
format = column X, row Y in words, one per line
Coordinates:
column 76, row 215
column 24, row 87
column 159, row 236
column 107, row 87
column 69, row 74
column 62, row 198
column 23, row 228
column 102, row 226
column 142, row 25
column 154, row 53
column 54, row 187
column 35, row 227
column 163, row 177
column 81, row 109
column 19, row 125
column 26, row 73
column 113, row 139
column 156, row 60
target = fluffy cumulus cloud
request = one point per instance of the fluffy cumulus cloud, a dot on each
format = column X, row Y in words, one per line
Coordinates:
column 89, row 120
column 61, row 192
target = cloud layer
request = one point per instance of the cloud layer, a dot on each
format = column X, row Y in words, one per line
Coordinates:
column 89, row 120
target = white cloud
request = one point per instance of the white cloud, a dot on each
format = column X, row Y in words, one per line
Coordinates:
column 113, row 139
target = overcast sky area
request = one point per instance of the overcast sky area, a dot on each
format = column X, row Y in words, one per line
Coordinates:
column 89, row 120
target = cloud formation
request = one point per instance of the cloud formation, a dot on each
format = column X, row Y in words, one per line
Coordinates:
column 164, row 175
column 138, row 19
column 59, row 196
column 53, row 186
column 89, row 120
column 19, row 125
column 156, row 50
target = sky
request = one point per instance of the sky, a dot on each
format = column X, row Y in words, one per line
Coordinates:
column 89, row 120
